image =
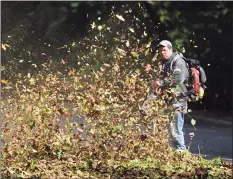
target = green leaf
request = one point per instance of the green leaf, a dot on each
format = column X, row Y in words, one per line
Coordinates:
column 134, row 54
column 137, row 71
column 88, row 163
column 33, row 165
column 147, row 52
column 59, row 154
column 139, row 5
column 19, row 75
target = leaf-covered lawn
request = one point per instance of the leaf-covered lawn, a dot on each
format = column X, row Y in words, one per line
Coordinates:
column 71, row 128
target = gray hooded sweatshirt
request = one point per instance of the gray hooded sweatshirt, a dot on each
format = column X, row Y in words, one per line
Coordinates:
column 175, row 74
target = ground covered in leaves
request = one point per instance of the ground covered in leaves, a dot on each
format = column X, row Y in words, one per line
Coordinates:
column 85, row 122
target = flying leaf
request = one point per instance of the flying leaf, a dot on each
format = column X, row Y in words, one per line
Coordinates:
column 29, row 75
column 32, row 81
column 116, row 39
column 137, row 71
column 120, row 17
column 136, row 144
column 107, row 65
column 191, row 134
column 93, row 25
column 34, row 65
column 127, row 43
column 121, row 51
column 4, row 82
column 139, row 5
column 19, row 75
column 135, row 54
column 148, row 45
column 193, row 122
column 132, row 30
column 100, row 27
column 147, row 52
column 4, row 46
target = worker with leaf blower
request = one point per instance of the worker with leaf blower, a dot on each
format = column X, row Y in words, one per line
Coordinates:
column 184, row 79
column 174, row 74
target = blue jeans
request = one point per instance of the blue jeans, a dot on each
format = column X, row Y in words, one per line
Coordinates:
column 175, row 130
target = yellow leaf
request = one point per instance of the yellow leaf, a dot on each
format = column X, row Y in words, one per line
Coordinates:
column 4, row 82
column 7, row 115
column 19, row 75
column 136, row 144
column 4, row 46
column 32, row 81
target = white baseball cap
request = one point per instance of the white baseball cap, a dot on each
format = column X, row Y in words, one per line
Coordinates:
column 165, row 43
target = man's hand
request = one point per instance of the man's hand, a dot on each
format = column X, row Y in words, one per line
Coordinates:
column 156, row 84
column 158, row 91
column 157, row 87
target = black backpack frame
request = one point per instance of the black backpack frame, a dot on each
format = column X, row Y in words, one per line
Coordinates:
column 193, row 63
column 196, row 64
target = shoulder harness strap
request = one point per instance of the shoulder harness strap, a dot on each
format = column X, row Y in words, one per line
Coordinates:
column 174, row 59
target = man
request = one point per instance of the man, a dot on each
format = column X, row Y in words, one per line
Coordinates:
column 174, row 74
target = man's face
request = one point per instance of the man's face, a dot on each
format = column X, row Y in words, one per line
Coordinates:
column 165, row 52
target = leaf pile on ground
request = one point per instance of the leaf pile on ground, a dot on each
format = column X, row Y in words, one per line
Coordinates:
column 90, row 127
